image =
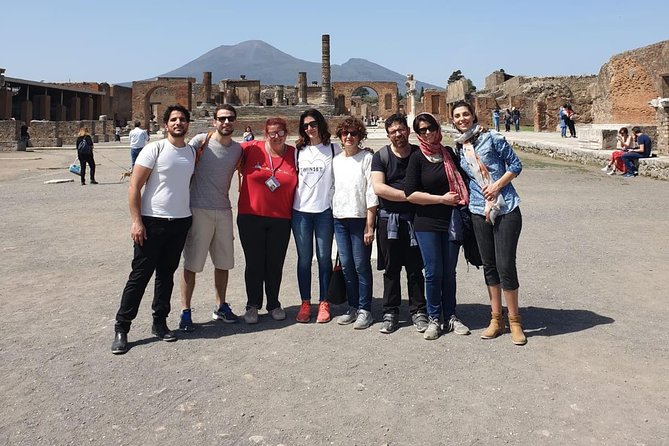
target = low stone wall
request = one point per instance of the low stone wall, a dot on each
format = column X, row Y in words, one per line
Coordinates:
column 9, row 135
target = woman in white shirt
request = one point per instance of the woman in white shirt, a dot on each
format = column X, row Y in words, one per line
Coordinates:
column 312, row 211
column 354, row 209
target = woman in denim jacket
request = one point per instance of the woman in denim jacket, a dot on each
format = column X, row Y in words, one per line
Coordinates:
column 492, row 164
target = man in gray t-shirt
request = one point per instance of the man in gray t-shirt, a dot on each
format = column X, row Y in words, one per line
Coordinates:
column 211, row 232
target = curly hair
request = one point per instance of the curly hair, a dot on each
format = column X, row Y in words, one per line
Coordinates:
column 352, row 124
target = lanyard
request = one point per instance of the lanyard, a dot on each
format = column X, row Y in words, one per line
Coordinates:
column 271, row 163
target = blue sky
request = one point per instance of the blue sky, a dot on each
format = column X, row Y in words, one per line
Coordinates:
column 127, row 41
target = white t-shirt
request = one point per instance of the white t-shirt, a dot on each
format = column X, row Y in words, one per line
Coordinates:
column 353, row 193
column 138, row 138
column 167, row 193
column 315, row 180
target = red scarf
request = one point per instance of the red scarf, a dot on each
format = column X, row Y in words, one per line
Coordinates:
column 455, row 182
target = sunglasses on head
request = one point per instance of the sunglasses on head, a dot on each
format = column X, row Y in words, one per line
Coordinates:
column 424, row 130
column 278, row 134
column 353, row 133
column 312, row 124
column 222, row 119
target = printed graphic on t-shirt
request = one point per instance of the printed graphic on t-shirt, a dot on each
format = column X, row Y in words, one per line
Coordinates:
column 311, row 172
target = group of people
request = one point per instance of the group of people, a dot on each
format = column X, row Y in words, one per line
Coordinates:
column 412, row 199
column 567, row 116
column 629, row 149
column 511, row 116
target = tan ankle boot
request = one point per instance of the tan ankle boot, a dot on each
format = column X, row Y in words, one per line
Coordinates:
column 517, row 335
column 495, row 328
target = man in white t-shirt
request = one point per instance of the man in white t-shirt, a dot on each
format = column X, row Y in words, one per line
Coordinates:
column 211, row 232
column 138, row 139
column 161, row 218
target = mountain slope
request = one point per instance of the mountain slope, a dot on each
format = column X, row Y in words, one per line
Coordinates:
column 258, row 60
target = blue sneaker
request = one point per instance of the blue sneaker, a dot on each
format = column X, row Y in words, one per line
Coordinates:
column 186, row 322
column 628, row 175
column 224, row 313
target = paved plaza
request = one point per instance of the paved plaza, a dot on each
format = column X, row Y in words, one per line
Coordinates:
column 592, row 266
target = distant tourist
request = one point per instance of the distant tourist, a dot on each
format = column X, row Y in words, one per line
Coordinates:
column 161, row 218
column 138, row 139
column 264, row 212
column 570, row 116
column 495, row 118
column 117, row 133
column 625, row 142
column 248, row 134
column 84, row 145
column 562, row 116
column 642, row 151
column 491, row 165
column 24, row 137
column 354, row 209
column 515, row 115
column 508, row 118
column 312, row 211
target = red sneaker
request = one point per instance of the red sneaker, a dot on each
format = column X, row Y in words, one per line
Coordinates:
column 305, row 312
column 323, row 312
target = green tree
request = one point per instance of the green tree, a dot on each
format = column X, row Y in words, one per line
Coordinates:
column 455, row 76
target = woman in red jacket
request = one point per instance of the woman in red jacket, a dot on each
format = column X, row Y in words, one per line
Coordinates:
column 264, row 211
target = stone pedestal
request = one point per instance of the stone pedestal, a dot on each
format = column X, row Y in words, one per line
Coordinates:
column 662, row 144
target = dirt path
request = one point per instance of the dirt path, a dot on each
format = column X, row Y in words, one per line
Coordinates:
column 593, row 271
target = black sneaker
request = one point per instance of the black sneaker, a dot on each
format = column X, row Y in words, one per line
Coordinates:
column 164, row 333
column 94, row 182
column 120, row 344
column 389, row 324
column 420, row 321
column 186, row 322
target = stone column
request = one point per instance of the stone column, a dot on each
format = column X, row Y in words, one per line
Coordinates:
column 61, row 113
column 87, row 108
column 411, row 98
column 326, row 89
column 302, row 88
column 43, row 106
column 539, row 119
column 206, row 87
column 5, row 104
column 75, row 109
column 662, row 130
column 26, row 111
column 278, row 95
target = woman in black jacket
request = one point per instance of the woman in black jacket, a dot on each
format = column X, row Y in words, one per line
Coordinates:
column 84, row 147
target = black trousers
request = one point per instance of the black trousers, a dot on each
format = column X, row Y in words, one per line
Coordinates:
column 83, row 160
column 572, row 127
column 395, row 254
column 265, row 242
column 498, row 245
column 161, row 253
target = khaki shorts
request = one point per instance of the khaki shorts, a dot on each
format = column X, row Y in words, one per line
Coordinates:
column 211, row 233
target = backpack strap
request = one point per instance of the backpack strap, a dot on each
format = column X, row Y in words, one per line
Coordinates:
column 198, row 153
column 384, row 154
column 332, row 149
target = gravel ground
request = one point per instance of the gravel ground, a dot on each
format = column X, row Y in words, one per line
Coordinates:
column 593, row 267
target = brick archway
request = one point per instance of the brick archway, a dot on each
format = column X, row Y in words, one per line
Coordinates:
column 180, row 88
column 386, row 91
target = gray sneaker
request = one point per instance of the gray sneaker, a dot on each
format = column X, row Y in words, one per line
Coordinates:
column 456, row 326
column 278, row 314
column 251, row 315
column 420, row 321
column 348, row 317
column 433, row 330
column 390, row 323
column 364, row 320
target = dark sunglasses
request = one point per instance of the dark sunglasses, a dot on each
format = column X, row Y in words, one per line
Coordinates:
column 279, row 134
column 222, row 119
column 312, row 124
column 353, row 133
column 424, row 130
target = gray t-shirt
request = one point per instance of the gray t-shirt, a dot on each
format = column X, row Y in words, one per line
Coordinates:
column 213, row 173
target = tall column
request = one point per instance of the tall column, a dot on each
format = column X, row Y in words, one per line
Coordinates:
column 326, row 89
column 43, row 106
column 26, row 111
column 302, row 88
column 206, row 87
column 5, row 104
column 278, row 95
column 411, row 97
column 75, row 109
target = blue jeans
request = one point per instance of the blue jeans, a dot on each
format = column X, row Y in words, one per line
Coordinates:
column 563, row 130
column 133, row 156
column 628, row 158
column 356, row 262
column 440, row 257
column 305, row 226
column 495, row 121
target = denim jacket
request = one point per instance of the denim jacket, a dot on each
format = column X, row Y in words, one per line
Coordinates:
column 498, row 156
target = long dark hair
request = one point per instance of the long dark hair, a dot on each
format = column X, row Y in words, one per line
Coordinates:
column 323, row 130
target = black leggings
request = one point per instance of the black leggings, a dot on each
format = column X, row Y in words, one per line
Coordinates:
column 83, row 159
column 265, row 242
column 498, row 245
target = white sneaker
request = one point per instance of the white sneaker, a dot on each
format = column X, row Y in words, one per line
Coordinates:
column 433, row 330
column 251, row 315
column 611, row 172
column 349, row 317
column 278, row 314
column 364, row 320
column 605, row 168
column 456, row 326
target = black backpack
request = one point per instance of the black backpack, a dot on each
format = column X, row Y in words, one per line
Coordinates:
column 84, row 147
